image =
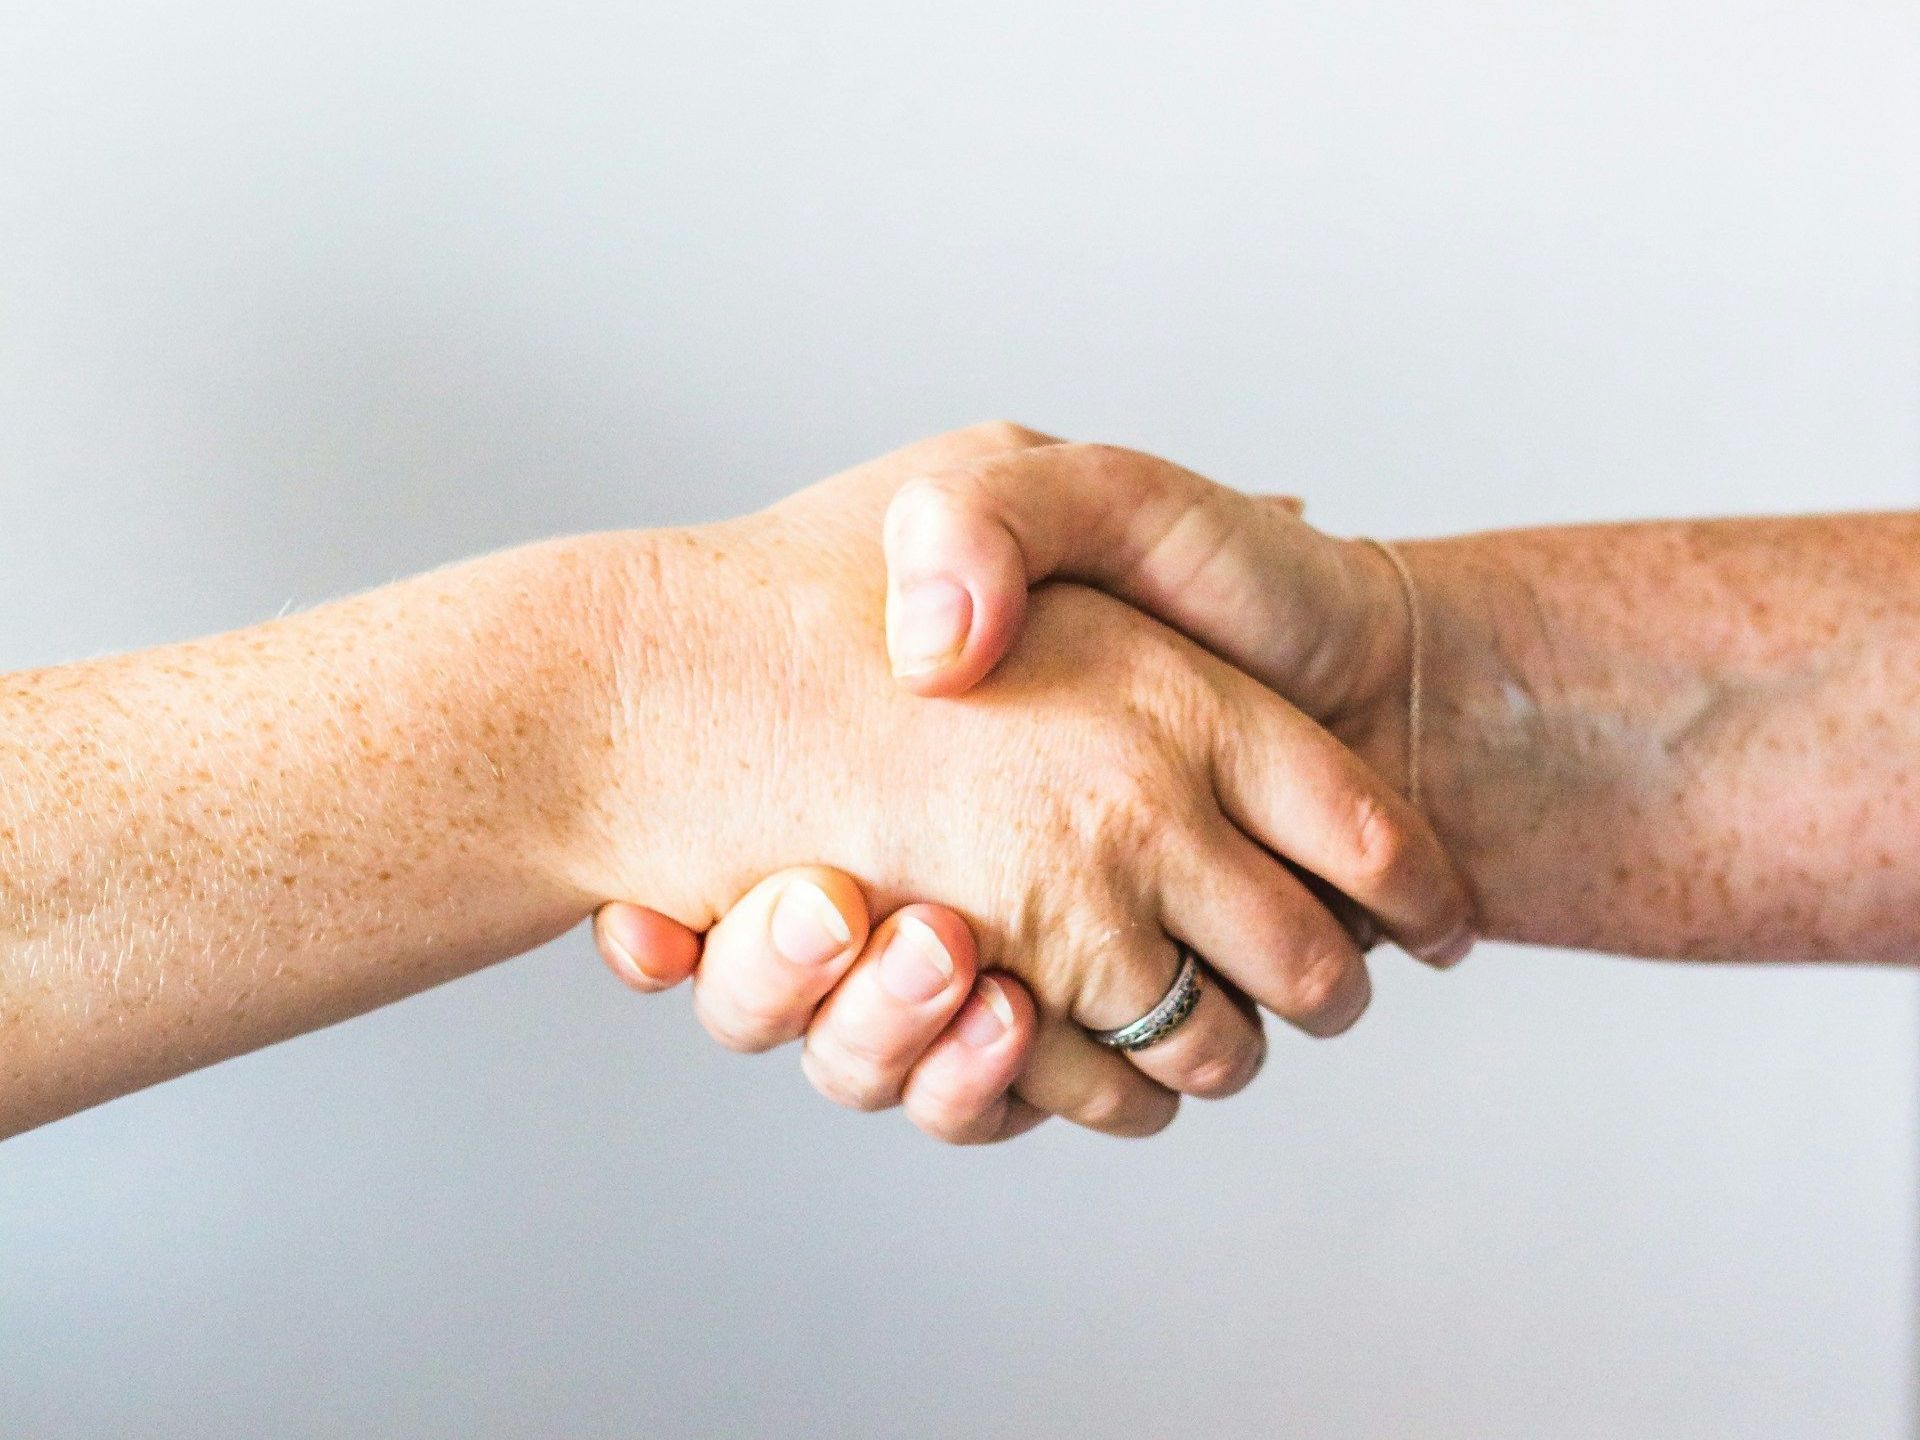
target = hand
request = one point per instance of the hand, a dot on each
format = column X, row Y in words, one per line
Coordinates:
column 1318, row 620
column 948, row 1050
column 1231, row 900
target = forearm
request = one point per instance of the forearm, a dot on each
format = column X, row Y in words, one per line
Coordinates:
column 211, row 846
column 1690, row 739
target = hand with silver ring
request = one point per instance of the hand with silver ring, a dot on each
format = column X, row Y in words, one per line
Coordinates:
column 1278, row 817
column 1180, row 1001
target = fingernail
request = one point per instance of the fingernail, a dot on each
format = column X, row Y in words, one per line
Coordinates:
column 621, row 951
column 988, row 1014
column 915, row 966
column 927, row 624
column 806, row 928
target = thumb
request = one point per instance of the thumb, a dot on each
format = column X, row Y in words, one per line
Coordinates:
column 957, row 584
column 965, row 545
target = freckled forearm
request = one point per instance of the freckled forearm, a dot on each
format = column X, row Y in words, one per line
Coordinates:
column 211, row 846
column 1687, row 739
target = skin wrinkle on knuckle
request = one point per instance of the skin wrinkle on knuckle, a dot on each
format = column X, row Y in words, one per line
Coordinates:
column 852, row 1089
column 1099, row 976
column 1121, row 1109
column 1380, row 843
column 1219, row 1076
column 1204, row 533
column 743, row 1025
column 1316, row 990
column 855, row 1069
column 758, row 1014
column 1144, row 504
column 1103, row 1107
column 972, row 1130
column 920, row 512
column 946, row 1117
column 848, row 1044
column 731, row 1037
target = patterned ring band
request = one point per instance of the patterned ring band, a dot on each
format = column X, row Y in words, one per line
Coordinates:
column 1166, row 1017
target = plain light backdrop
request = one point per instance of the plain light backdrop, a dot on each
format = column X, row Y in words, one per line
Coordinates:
column 297, row 298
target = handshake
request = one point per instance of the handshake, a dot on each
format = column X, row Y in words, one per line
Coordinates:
column 1015, row 776
column 1063, row 847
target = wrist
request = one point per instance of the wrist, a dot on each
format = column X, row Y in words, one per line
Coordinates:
column 638, row 650
column 1477, row 711
column 694, row 696
column 1459, row 748
column 535, row 689
column 1374, row 714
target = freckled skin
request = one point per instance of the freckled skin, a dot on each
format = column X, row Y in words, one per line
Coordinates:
column 1693, row 740
column 216, row 845
column 1688, row 740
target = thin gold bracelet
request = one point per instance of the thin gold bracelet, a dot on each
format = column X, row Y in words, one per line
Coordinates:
column 1416, row 679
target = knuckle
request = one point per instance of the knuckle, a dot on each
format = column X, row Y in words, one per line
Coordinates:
column 1152, row 1117
column 1125, row 820
column 1104, row 1107
column 756, row 1023
column 1341, row 1019
column 1219, row 1076
column 1095, row 957
column 734, row 1034
column 1443, row 935
column 945, row 1121
column 1381, row 841
column 849, row 1045
column 1129, row 1111
column 912, row 504
column 1137, row 796
column 1319, row 989
column 938, row 1130
column 1170, row 700
column 847, row 1082
column 734, row 1027
column 924, row 511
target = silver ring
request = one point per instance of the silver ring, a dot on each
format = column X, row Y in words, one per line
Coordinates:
column 1166, row 1017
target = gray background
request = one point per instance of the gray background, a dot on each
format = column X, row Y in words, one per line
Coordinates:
column 297, row 298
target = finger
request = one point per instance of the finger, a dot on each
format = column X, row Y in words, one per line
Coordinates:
column 960, row 1091
column 1215, row 1051
column 644, row 949
column 964, row 545
column 1290, row 785
column 1020, row 1118
column 916, row 971
column 775, row 954
column 1070, row 1076
column 1265, row 932
column 1364, row 929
